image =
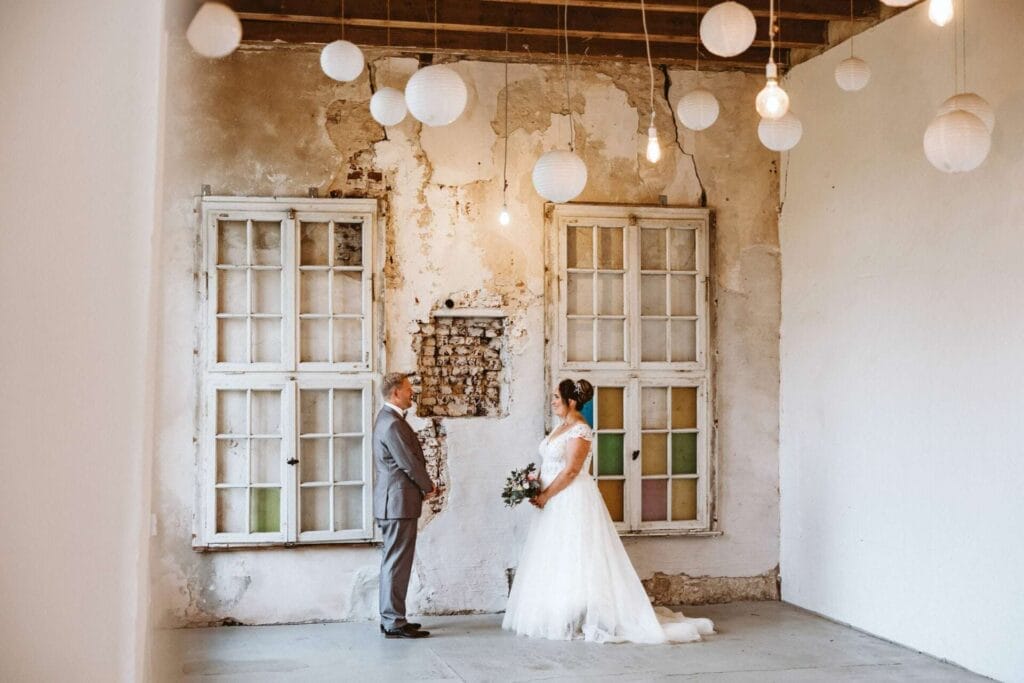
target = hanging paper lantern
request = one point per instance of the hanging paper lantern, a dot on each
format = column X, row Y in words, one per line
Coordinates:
column 387, row 106
column 852, row 74
column 728, row 29
column 436, row 95
column 341, row 60
column 898, row 3
column 697, row 109
column 559, row 176
column 781, row 134
column 957, row 142
column 215, row 31
column 973, row 104
column 940, row 12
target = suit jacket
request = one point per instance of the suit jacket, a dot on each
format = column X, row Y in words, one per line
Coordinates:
column 400, row 470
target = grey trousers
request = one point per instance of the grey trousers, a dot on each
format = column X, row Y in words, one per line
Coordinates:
column 395, row 568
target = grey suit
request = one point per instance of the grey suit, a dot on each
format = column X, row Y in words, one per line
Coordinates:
column 400, row 482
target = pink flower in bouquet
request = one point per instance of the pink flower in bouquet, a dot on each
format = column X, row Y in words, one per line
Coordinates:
column 532, row 476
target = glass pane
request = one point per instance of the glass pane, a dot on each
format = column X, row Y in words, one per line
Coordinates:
column 580, row 344
column 654, row 454
column 611, row 340
column 654, row 500
column 232, row 340
column 684, row 340
column 266, row 340
column 684, row 453
column 265, row 510
column 231, row 243
column 609, row 407
column 348, row 458
column 267, row 297
column 313, row 291
column 313, row 340
column 232, row 411
column 266, row 243
column 231, row 510
column 579, row 247
column 232, row 461
column 266, row 412
column 266, row 461
column 348, row 244
column 609, row 455
column 610, row 295
column 347, row 292
column 348, row 340
column 579, row 294
column 684, row 499
column 652, row 249
column 232, row 291
column 313, row 411
column 316, row 508
column 684, row 295
column 314, row 461
column 313, row 244
column 654, row 407
column 609, row 248
column 348, row 411
column 611, row 491
column 653, row 340
column 348, row 507
column 652, row 295
column 682, row 250
column 684, row 407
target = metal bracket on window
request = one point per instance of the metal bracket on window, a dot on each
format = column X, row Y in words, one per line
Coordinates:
column 205, row 190
column 313, row 192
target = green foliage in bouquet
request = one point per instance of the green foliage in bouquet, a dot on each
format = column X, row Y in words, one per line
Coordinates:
column 521, row 485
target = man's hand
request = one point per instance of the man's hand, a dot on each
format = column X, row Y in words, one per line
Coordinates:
column 432, row 493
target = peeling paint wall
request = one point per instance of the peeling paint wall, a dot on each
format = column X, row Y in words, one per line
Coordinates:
column 268, row 122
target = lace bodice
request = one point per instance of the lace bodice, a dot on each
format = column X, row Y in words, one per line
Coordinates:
column 552, row 451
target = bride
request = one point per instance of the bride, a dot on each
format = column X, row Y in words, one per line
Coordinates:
column 574, row 578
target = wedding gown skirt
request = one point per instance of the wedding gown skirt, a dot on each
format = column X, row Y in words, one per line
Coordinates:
column 574, row 579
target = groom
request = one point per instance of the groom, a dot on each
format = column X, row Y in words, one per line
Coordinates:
column 401, row 483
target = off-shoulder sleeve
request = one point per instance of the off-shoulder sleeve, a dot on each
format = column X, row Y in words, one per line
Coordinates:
column 581, row 431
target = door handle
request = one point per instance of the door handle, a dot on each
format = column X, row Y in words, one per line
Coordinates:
column 292, row 461
column 636, row 454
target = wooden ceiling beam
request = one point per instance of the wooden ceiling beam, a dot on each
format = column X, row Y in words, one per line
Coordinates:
column 836, row 10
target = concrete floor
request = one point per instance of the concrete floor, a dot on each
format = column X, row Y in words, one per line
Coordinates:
column 757, row 641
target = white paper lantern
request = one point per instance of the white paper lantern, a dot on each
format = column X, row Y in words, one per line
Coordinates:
column 387, row 106
column 852, row 74
column 973, row 104
column 781, row 134
column 215, row 30
column 341, row 60
column 436, row 95
column 898, row 3
column 957, row 142
column 728, row 29
column 698, row 109
column 559, row 176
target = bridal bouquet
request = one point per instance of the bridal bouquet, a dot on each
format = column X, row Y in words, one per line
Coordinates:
column 521, row 485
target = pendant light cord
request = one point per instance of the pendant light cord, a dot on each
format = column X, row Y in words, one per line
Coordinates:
column 343, row 19
column 568, row 99
column 650, row 65
column 504, row 169
column 698, row 36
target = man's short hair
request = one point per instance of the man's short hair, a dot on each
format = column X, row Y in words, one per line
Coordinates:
column 392, row 381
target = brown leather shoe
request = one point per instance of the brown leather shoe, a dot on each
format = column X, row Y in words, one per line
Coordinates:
column 406, row 631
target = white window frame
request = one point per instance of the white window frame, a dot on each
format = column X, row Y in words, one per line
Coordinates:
column 290, row 375
column 633, row 374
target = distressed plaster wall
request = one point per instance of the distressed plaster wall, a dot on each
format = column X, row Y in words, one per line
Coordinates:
column 268, row 122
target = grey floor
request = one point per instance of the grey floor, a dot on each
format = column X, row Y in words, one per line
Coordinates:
column 757, row 641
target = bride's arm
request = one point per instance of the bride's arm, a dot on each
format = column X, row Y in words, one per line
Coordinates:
column 575, row 454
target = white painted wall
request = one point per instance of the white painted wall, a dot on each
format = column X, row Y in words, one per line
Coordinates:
column 901, row 430
column 78, row 170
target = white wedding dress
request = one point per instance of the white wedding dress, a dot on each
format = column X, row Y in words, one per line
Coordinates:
column 574, row 579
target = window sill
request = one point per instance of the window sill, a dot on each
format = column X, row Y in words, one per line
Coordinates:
column 218, row 547
column 699, row 533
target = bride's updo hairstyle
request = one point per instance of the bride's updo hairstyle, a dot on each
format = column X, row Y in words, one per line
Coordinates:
column 579, row 390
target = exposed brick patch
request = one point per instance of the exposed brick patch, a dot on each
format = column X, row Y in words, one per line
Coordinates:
column 434, row 440
column 460, row 366
column 681, row 589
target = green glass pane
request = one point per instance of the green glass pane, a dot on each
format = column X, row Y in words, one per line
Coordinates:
column 684, row 453
column 609, row 454
column 265, row 510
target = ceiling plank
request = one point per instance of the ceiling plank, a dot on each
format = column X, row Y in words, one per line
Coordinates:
column 820, row 11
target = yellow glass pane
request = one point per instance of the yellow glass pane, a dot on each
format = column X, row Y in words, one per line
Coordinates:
column 684, row 499
column 684, row 407
column 579, row 243
column 611, row 490
column 653, row 458
column 609, row 407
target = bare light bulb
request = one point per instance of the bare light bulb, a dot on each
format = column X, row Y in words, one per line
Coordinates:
column 940, row 12
column 653, row 148
column 503, row 217
column 772, row 102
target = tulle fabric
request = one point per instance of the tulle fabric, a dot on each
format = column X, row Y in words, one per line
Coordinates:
column 574, row 579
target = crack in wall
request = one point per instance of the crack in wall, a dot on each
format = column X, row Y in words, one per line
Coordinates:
column 667, row 85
